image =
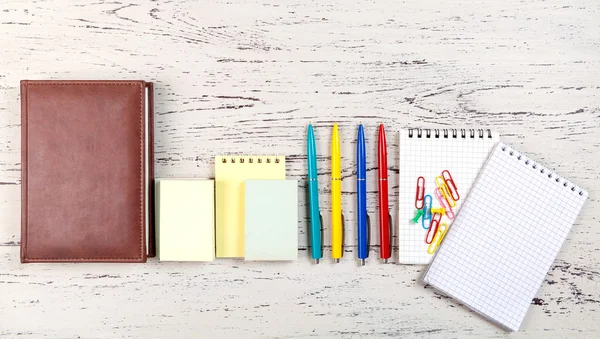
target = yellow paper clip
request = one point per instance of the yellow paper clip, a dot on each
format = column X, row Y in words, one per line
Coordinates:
column 418, row 216
column 441, row 184
column 439, row 210
column 437, row 239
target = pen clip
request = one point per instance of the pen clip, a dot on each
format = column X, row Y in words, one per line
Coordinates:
column 343, row 234
column 368, row 234
column 451, row 185
column 321, row 218
column 420, row 195
column 391, row 227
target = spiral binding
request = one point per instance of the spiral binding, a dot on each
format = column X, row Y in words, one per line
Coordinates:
column 464, row 133
column 542, row 169
column 250, row 159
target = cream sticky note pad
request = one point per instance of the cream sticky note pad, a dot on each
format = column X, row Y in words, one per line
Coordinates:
column 271, row 220
column 185, row 219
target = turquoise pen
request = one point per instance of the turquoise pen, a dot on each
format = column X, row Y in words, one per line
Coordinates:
column 313, row 196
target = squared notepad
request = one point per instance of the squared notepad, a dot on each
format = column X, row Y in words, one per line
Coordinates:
column 230, row 174
column 426, row 153
column 507, row 235
column 185, row 219
column 271, row 222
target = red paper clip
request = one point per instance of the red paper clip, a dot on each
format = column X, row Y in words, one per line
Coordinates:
column 444, row 203
column 420, row 196
column 433, row 227
column 451, row 185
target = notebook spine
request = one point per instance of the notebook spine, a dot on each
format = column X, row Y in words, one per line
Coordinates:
column 251, row 159
column 542, row 170
column 447, row 133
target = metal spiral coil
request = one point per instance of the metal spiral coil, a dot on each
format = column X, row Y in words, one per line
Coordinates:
column 250, row 159
column 543, row 170
column 449, row 133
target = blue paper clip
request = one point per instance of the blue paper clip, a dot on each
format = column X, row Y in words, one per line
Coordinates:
column 427, row 204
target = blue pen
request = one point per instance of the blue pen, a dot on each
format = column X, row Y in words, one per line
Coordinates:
column 313, row 189
column 361, row 191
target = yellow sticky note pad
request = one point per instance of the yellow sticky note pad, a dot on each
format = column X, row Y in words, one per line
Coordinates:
column 185, row 220
column 231, row 172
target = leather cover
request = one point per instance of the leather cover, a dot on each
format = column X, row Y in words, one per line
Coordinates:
column 83, row 187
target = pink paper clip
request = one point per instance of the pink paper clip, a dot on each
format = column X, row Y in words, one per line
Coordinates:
column 420, row 196
column 451, row 185
column 444, row 203
column 433, row 227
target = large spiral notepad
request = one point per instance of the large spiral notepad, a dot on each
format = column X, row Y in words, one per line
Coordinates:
column 427, row 153
column 511, row 227
column 231, row 172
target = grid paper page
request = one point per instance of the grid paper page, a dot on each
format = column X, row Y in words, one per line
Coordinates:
column 462, row 156
column 506, row 237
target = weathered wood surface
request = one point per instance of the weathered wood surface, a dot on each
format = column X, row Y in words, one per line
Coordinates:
column 246, row 77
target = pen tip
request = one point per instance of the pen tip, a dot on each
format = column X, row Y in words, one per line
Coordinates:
column 336, row 260
column 385, row 261
column 316, row 261
column 362, row 262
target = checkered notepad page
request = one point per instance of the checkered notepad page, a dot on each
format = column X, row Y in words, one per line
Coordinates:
column 503, row 242
column 427, row 153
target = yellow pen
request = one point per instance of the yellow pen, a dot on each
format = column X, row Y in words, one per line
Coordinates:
column 337, row 230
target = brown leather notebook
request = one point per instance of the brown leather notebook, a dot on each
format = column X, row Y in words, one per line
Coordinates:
column 87, row 171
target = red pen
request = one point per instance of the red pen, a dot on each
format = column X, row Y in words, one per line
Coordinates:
column 384, row 213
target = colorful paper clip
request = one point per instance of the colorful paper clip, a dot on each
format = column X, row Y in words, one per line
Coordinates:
column 433, row 227
column 426, row 211
column 444, row 203
column 441, row 184
column 437, row 239
column 420, row 196
column 418, row 216
column 451, row 185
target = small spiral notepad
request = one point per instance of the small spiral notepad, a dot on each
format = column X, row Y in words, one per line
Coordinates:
column 426, row 153
column 231, row 172
column 503, row 242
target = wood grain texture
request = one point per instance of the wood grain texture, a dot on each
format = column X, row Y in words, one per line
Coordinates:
column 238, row 77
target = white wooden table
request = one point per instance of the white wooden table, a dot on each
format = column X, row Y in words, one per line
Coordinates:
column 246, row 77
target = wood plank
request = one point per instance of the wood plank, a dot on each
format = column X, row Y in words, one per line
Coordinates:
column 233, row 298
